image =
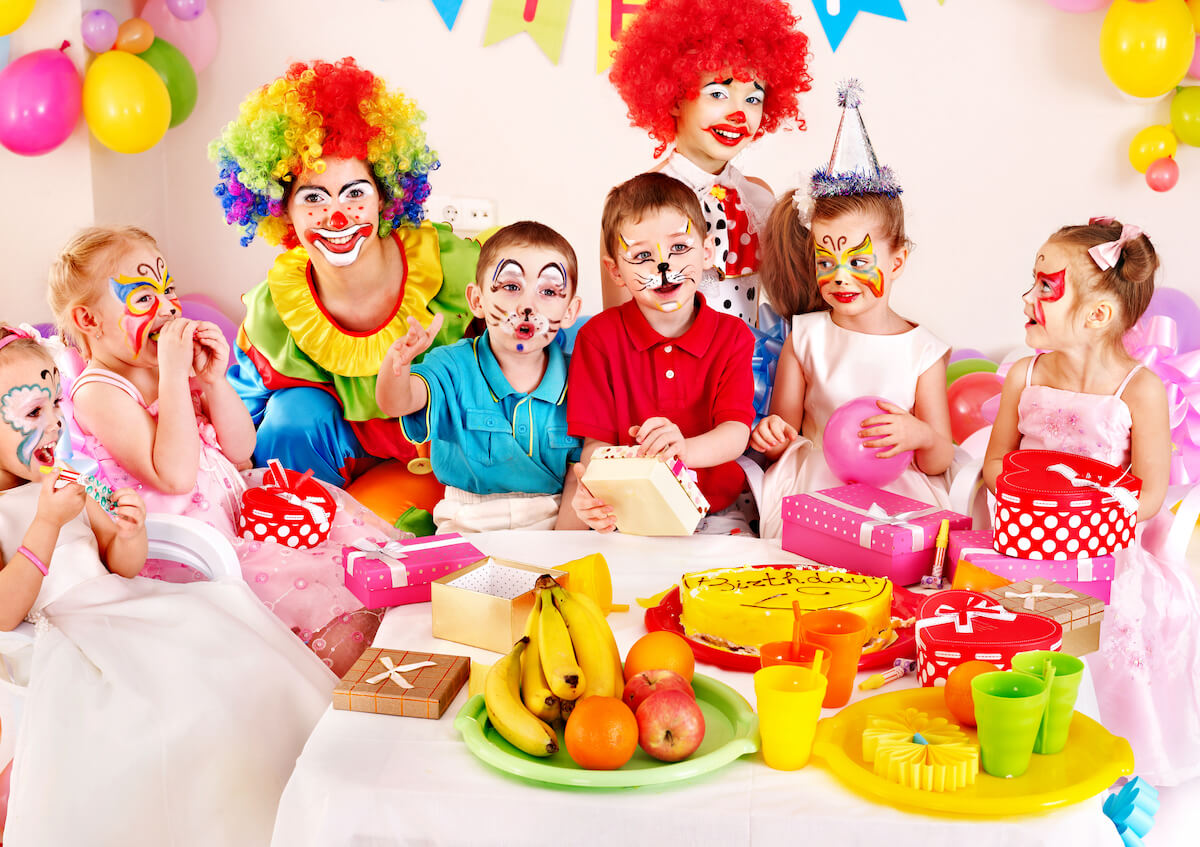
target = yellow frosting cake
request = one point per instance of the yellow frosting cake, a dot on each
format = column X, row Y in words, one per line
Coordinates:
column 738, row 609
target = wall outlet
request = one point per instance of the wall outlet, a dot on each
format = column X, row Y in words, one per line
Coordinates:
column 466, row 215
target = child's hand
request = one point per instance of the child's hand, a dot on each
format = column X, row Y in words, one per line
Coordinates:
column 591, row 510
column 403, row 350
column 660, row 437
column 175, row 348
column 210, row 353
column 58, row 506
column 129, row 512
column 898, row 431
column 772, row 435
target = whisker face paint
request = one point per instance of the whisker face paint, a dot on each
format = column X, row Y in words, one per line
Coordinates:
column 524, row 305
column 662, row 265
column 142, row 296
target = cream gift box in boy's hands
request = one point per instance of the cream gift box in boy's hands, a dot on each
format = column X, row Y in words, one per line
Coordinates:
column 649, row 495
column 488, row 603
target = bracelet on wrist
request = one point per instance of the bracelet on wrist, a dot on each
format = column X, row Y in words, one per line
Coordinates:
column 32, row 557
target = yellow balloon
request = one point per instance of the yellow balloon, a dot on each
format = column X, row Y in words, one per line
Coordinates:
column 1151, row 144
column 1146, row 47
column 125, row 102
column 13, row 13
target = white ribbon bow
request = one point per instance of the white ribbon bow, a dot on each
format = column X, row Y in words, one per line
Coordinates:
column 877, row 515
column 1031, row 597
column 318, row 514
column 394, row 671
column 1123, row 496
column 964, row 619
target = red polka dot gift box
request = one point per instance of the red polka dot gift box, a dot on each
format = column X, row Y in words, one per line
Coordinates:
column 393, row 573
column 868, row 530
column 1059, row 506
column 289, row 508
column 958, row 626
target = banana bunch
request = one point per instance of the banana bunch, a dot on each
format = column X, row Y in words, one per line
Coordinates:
column 568, row 652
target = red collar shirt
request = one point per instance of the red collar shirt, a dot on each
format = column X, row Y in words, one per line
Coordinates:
column 623, row 372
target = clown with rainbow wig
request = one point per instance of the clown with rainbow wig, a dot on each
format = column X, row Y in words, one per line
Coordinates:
column 330, row 163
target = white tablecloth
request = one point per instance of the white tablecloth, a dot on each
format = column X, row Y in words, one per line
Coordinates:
column 368, row 780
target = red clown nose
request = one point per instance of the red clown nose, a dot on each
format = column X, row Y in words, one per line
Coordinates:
column 338, row 221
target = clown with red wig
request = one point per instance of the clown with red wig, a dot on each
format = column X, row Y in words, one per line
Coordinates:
column 330, row 163
column 709, row 77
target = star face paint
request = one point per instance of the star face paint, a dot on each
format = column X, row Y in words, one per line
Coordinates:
column 527, row 301
column 32, row 412
column 1046, row 288
column 859, row 262
column 143, row 297
column 662, row 263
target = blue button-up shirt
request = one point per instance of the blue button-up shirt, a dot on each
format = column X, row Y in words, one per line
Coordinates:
column 485, row 436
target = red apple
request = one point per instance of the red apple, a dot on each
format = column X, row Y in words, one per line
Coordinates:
column 642, row 685
column 670, row 725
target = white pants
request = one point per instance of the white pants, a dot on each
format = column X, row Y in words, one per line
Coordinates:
column 464, row 512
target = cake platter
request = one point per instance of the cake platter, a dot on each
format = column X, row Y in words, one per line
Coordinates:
column 665, row 616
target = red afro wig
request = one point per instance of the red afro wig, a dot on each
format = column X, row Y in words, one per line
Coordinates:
column 672, row 43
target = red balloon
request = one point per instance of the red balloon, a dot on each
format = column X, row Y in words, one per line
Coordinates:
column 966, row 395
column 1162, row 174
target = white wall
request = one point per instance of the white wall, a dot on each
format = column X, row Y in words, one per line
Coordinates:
column 996, row 116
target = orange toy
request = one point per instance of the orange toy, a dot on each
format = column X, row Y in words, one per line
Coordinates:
column 660, row 651
column 389, row 489
column 601, row 733
column 959, row 698
column 974, row 578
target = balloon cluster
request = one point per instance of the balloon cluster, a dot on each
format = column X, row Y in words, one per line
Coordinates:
column 1147, row 47
column 141, row 83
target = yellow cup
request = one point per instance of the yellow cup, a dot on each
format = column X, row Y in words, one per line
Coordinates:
column 789, row 706
column 590, row 576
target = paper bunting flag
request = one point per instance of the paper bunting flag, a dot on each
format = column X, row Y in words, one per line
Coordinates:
column 613, row 17
column 544, row 20
column 837, row 23
column 449, row 10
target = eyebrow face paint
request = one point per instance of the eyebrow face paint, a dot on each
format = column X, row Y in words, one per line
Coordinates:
column 859, row 262
column 142, row 296
column 510, row 310
column 29, row 410
column 1047, row 288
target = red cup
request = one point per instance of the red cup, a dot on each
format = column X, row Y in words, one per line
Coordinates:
column 781, row 653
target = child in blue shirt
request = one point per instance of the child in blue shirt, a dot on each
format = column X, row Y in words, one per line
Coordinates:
column 494, row 407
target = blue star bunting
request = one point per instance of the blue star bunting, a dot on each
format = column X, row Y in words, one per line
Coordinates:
column 836, row 25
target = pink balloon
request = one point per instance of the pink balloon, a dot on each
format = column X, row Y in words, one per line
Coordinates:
column 197, row 39
column 40, row 99
column 849, row 460
column 1194, row 69
column 201, row 308
column 186, row 10
column 1162, row 174
column 99, row 29
column 1079, row 5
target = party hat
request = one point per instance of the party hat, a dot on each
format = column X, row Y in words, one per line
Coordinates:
column 853, row 167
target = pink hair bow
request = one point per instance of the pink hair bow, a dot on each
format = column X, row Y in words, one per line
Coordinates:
column 1107, row 255
column 14, row 333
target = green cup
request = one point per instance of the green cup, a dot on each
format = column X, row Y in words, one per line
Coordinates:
column 1008, row 713
column 1064, row 688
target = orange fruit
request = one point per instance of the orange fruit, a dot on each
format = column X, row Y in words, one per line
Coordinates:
column 601, row 734
column 657, row 651
column 959, row 699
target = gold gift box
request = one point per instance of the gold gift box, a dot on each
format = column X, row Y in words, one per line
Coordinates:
column 645, row 496
column 487, row 604
column 371, row 684
column 1079, row 614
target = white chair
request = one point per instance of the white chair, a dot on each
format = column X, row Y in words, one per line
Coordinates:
column 171, row 537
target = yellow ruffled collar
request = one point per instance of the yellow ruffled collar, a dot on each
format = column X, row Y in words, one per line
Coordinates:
column 341, row 351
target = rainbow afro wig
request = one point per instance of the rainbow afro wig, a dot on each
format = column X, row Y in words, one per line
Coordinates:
column 315, row 110
column 672, row 43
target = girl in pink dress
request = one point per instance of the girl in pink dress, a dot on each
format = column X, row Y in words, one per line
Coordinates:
column 1089, row 397
column 159, row 416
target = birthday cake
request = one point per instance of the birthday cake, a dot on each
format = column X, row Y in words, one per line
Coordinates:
column 738, row 609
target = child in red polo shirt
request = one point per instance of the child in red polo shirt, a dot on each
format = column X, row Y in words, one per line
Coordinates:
column 663, row 370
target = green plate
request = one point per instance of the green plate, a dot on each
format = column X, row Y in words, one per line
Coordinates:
column 730, row 731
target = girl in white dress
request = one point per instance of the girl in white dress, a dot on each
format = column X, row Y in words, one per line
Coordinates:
column 156, row 713
column 857, row 347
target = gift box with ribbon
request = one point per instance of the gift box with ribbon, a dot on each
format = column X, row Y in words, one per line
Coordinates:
column 649, row 495
column 392, row 573
column 1088, row 575
column 865, row 529
column 1078, row 613
column 959, row 626
column 289, row 508
column 1057, row 506
column 404, row 683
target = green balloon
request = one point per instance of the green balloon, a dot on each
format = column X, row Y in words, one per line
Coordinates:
column 968, row 366
column 1185, row 115
column 176, row 73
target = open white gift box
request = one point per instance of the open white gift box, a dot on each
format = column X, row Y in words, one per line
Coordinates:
column 487, row 604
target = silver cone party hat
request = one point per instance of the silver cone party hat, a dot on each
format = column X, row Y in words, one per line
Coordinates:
column 853, row 167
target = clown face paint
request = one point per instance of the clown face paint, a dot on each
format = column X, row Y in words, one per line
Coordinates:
column 859, row 263
column 661, row 260
column 335, row 212
column 31, row 410
column 527, row 299
column 720, row 121
column 149, row 302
